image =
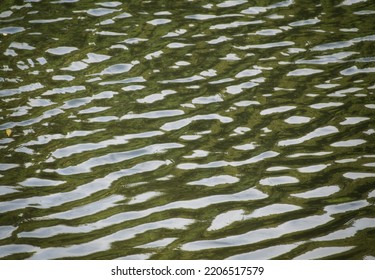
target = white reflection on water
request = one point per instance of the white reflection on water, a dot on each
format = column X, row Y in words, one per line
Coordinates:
column 6, row 231
column 61, row 50
column 136, row 257
column 323, row 252
column 326, row 105
column 312, row 168
column 159, row 21
column 37, row 182
column 280, row 180
column 207, row 99
column 319, row 132
column 222, row 163
column 349, row 143
column 140, row 198
column 304, row 72
column 246, row 147
column 297, row 120
column 184, row 122
column 215, row 180
column 358, row 175
column 353, row 120
column 266, row 253
column 345, row 207
column 153, row 114
column 318, row 192
column 277, row 110
column 198, row 154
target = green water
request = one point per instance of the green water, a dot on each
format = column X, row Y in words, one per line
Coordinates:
column 187, row 129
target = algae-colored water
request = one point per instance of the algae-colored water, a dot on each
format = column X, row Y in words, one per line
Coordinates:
column 187, row 129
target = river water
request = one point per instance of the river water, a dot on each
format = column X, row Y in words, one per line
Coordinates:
column 187, row 129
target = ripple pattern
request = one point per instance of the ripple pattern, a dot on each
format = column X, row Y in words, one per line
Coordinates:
column 187, row 129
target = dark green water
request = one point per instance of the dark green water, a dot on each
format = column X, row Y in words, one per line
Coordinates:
column 187, row 129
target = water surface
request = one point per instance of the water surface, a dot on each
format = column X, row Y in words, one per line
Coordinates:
column 187, row 129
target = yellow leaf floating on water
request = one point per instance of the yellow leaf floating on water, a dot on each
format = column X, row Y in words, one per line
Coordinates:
column 8, row 131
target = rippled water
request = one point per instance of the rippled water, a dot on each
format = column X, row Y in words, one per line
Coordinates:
column 187, row 129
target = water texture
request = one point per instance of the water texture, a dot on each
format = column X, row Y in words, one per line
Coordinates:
column 187, row 129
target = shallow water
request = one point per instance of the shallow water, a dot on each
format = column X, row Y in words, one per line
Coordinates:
column 187, row 129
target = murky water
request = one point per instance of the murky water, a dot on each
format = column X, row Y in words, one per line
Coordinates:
column 187, row 129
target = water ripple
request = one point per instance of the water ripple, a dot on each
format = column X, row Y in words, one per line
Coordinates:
column 223, row 130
